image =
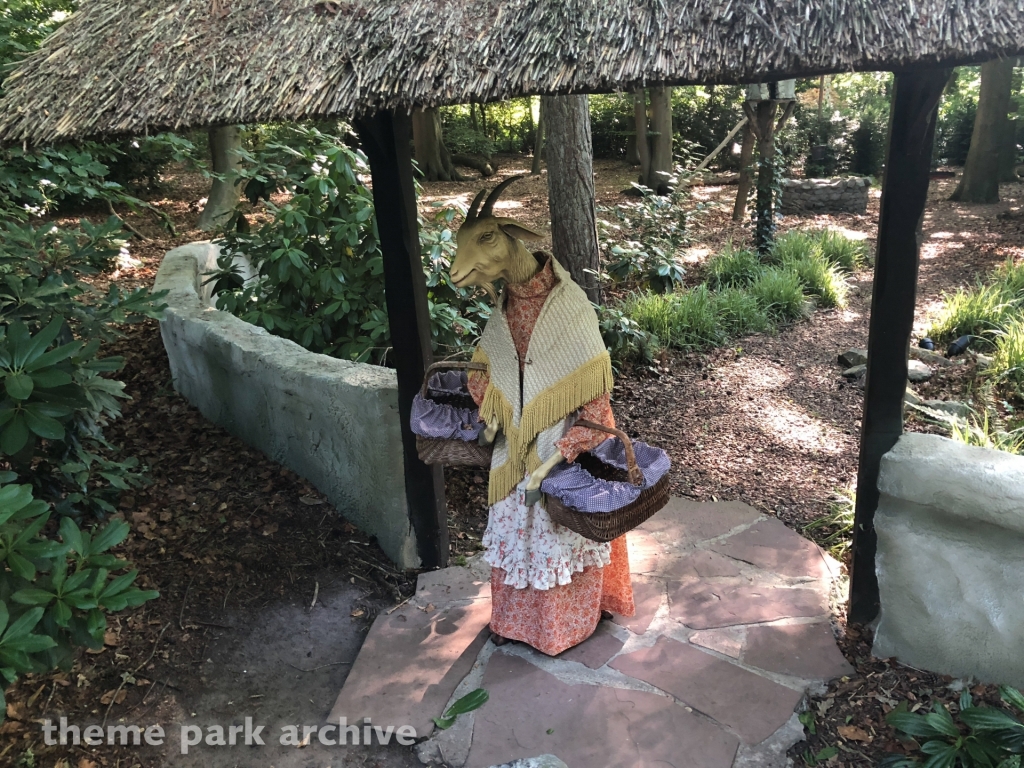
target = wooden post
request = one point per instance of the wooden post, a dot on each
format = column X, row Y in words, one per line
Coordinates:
column 386, row 138
column 904, row 193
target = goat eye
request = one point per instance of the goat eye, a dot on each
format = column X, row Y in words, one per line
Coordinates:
column 487, row 236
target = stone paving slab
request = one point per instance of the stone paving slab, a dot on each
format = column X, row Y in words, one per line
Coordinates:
column 684, row 523
column 450, row 584
column 752, row 706
column 532, row 712
column 410, row 663
column 701, row 605
column 647, row 599
column 596, row 650
column 772, row 546
column 802, row 650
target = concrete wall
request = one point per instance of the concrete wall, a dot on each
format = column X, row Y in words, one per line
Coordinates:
column 333, row 422
column 812, row 196
column 951, row 559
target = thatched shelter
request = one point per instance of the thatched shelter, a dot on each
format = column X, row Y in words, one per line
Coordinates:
column 129, row 66
column 132, row 66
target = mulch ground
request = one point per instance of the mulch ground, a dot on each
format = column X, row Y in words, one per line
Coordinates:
column 767, row 420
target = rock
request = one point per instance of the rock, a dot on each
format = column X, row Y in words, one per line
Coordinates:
column 912, row 397
column 853, row 357
column 952, row 407
column 929, row 357
column 855, row 372
column 544, row 761
column 918, row 371
column 983, row 361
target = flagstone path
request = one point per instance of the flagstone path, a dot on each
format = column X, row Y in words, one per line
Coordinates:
column 732, row 629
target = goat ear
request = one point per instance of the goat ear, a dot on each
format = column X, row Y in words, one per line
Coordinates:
column 515, row 229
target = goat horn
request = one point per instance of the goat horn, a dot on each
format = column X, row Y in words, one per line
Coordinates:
column 495, row 194
column 471, row 213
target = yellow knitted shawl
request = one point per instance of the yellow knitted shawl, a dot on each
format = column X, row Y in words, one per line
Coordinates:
column 567, row 366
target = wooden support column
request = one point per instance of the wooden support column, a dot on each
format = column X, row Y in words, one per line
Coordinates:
column 387, row 140
column 904, row 192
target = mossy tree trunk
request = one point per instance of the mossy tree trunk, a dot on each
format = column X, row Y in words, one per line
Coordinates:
column 746, row 176
column 225, row 142
column 980, row 180
column 569, row 154
column 661, row 149
column 642, row 145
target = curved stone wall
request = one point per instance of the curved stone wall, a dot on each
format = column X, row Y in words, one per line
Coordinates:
column 333, row 422
column 810, row 196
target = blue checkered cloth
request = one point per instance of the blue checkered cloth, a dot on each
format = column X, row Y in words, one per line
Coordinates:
column 578, row 489
column 442, row 420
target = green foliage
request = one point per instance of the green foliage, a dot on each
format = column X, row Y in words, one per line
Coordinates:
column 793, row 246
column 24, row 24
column 320, row 272
column 984, row 737
column 468, row 703
column 779, row 292
column 977, row 311
column 1008, row 359
column 685, row 320
column 625, row 339
column 986, row 434
column 739, row 312
column 957, row 111
column 834, row 530
column 733, row 269
column 54, row 595
column 820, row 279
column 843, row 252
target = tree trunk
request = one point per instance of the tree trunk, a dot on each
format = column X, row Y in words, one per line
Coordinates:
column 1008, row 152
column 431, row 154
column 472, row 114
column 764, row 226
column 643, row 145
column 661, row 154
column 739, row 210
column 538, row 145
column 571, row 189
column 225, row 142
column 980, row 180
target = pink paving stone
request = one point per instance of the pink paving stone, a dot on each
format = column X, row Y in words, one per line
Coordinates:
column 590, row 726
column 644, row 551
column 410, row 664
column 727, row 641
column 647, row 597
column 772, row 546
column 699, row 565
column 701, row 605
column 595, row 651
column 752, row 706
column 451, row 584
column 684, row 523
column 803, row 650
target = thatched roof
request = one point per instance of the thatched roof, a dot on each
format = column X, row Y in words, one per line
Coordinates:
column 131, row 66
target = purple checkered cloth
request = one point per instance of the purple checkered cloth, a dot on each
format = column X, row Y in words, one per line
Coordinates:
column 442, row 420
column 577, row 488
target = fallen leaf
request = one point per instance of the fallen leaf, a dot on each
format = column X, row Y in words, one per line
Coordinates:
column 853, row 733
column 16, row 711
column 357, row 612
column 311, row 501
column 116, row 696
column 270, row 530
column 825, row 706
column 305, row 741
column 110, row 638
column 85, row 762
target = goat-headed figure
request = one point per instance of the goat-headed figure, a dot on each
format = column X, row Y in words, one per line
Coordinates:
column 490, row 247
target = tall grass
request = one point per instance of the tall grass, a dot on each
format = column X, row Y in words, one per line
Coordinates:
column 843, row 252
column 985, row 434
column 686, row 320
column 732, row 269
column 793, row 246
column 977, row 311
column 834, row 530
column 739, row 312
column 779, row 293
column 820, row 279
column 1008, row 359
column 1011, row 276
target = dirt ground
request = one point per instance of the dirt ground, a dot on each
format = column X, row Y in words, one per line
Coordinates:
column 266, row 594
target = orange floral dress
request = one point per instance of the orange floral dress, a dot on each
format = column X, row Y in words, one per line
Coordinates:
column 559, row 605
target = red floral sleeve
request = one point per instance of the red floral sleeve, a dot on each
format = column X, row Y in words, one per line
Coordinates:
column 478, row 381
column 580, row 439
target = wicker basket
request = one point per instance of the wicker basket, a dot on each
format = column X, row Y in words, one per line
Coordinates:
column 455, row 453
column 605, row 526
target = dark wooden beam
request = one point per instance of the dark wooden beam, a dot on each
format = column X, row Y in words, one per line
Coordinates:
column 904, row 193
column 386, row 138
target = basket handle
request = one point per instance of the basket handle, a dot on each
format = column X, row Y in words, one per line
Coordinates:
column 636, row 475
column 448, row 364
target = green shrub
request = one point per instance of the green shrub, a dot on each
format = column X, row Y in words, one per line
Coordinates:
column 977, row 311
column 834, row 530
column 733, row 269
column 320, row 268
column 820, row 279
column 686, row 320
column 793, row 246
column 739, row 312
column 1011, row 276
column 779, row 293
column 984, row 737
column 1008, row 359
column 54, row 595
column 986, row 434
column 625, row 339
column 841, row 251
